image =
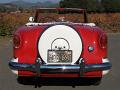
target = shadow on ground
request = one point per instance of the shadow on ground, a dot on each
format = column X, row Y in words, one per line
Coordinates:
column 58, row 81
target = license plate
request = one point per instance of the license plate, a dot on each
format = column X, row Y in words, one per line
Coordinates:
column 59, row 56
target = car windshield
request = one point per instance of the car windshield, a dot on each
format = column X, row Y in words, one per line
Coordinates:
column 75, row 15
column 52, row 17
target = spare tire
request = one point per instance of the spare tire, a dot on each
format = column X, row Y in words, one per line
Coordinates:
column 65, row 32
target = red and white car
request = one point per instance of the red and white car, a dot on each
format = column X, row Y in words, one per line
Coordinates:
column 60, row 48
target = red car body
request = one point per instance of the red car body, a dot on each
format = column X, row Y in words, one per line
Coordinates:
column 94, row 50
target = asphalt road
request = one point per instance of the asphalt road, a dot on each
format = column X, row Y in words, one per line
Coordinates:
column 109, row 82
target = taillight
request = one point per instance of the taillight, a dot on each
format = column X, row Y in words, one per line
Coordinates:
column 103, row 41
column 16, row 41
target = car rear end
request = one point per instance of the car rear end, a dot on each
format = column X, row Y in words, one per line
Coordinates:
column 60, row 51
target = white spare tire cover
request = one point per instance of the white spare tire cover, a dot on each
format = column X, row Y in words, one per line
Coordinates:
column 60, row 31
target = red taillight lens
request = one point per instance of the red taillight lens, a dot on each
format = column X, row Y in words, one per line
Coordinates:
column 16, row 41
column 103, row 41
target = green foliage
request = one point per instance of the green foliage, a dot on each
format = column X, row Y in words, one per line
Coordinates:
column 93, row 5
column 5, row 29
column 111, row 5
column 90, row 5
column 8, row 8
column 9, row 22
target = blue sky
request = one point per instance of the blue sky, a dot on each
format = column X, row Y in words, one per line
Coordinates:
column 4, row 1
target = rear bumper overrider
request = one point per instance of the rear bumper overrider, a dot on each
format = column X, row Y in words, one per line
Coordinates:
column 51, row 69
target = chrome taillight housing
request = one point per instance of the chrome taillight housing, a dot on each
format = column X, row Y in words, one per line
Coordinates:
column 103, row 41
column 16, row 41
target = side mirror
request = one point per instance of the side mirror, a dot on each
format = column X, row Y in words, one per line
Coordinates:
column 31, row 19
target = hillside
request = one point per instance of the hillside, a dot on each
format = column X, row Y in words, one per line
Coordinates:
column 8, row 7
column 24, row 4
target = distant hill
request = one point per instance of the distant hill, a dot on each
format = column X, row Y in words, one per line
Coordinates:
column 53, row 1
column 8, row 7
column 45, row 4
column 20, row 4
column 24, row 4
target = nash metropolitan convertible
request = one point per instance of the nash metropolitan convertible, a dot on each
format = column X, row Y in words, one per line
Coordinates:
column 60, row 48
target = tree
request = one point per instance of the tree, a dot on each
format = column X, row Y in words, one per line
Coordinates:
column 111, row 5
column 90, row 5
column 73, row 3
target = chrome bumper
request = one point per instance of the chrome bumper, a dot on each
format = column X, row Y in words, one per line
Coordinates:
column 50, row 69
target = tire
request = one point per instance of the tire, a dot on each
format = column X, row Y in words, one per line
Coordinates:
column 97, row 81
column 60, row 36
column 25, row 80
